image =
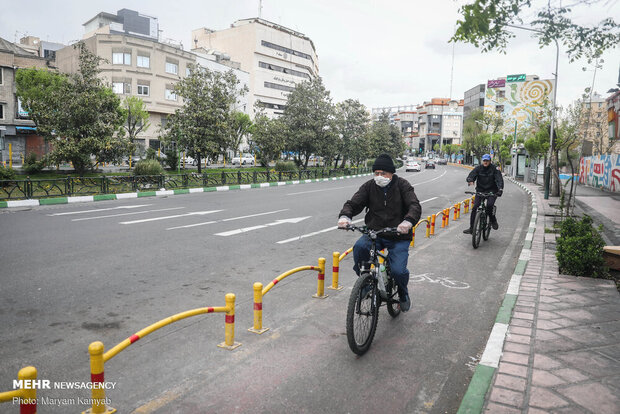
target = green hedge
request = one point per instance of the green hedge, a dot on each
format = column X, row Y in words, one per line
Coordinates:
column 580, row 249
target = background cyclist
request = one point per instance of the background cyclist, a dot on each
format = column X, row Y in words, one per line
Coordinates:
column 390, row 202
column 488, row 179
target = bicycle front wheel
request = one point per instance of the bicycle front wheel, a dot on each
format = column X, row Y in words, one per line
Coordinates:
column 476, row 231
column 362, row 314
column 486, row 228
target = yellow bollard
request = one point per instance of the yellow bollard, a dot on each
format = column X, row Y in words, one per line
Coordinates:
column 320, row 288
column 10, row 155
column 447, row 217
column 95, row 350
column 428, row 226
column 229, row 338
column 412, row 244
column 433, row 218
column 456, row 206
column 335, row 272
column 258, row 310
column 28, row 400
column 466, row 202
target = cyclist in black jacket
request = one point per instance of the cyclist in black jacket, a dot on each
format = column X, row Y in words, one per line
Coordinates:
column 488, row 179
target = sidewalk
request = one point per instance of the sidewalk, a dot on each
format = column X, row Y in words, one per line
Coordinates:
column 562, row 349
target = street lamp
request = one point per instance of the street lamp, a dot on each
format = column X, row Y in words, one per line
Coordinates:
column 555, row 91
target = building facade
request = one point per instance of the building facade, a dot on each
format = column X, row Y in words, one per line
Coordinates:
column 138, row 64
column 440, row 121
column 276, row 58
column 594, row 126
column 18, row 135
column 613, row 121
column 473, row 100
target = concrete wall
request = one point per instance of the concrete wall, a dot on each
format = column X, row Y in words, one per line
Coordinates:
column 601, row 171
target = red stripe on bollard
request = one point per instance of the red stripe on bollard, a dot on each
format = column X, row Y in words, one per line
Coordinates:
column 209, row 310
column 335, row 269
column 133, row 338
column 96, row 378
column 28, row 408
column 321, row 276
column 275, row 281
column 230, row 318
column 258, row 306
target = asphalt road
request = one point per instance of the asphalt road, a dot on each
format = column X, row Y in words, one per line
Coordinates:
column 73, row 274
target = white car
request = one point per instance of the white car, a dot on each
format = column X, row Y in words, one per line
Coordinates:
column 412, row 166
column 245, row 159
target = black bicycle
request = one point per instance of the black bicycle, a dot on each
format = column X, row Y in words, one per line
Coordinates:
column 482, row 223
column 373, row 288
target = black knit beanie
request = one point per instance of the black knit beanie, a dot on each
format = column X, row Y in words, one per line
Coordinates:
column 384, row 163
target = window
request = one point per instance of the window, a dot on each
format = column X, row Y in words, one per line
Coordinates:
column 170, row 95
column 188, row 71
column 121, row 58
column 143, row 61
column 499, row 108
column 1, row 111
column 121, row 87
column 1, row 76
column 501, row 93
column 285, row 50
column 172, row 67
column 143, row 90
column 283, row 70
column 279, row 87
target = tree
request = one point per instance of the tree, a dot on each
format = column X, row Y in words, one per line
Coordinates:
column 269, row 138
column 202, row 126
column 310, row 121
column 486, row 24
column 352, row 124
column 241, row 126
column 77, row 112
column 385, row 138
column 475, row 138
column 137, row 119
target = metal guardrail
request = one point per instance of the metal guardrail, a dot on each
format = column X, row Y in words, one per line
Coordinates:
column 113, row 184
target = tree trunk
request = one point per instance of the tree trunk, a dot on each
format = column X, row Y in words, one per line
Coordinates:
column 555, row 175
column 199, row 163
column 344, row 161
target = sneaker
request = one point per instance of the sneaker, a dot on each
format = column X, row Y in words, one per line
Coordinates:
column 467, row 231
column 405, row 303
column 494, row 224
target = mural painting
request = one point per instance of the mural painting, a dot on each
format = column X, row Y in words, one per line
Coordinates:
column 601, row 171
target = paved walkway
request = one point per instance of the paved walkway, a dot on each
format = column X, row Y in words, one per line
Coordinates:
column 562, row 349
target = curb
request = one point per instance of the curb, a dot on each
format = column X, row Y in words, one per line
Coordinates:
column 159, row 193
column 473, row 400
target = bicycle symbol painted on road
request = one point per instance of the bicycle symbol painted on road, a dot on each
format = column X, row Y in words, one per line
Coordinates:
column 444, row 281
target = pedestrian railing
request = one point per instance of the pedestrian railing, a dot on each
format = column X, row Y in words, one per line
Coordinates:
column 114, row 184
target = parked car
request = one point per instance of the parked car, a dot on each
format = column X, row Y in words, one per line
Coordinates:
column 430, row 164
column 192, row 161
column 442, row 161
column 245, row 159
column 412, row 166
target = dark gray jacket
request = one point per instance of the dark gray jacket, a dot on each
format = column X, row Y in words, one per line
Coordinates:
column 486, row 178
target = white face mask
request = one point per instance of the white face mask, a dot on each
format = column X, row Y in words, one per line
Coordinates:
column 382, row 181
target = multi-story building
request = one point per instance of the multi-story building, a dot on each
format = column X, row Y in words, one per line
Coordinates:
column 519, row 99
column 594, row 126
column 407, row 123
column 474, row 99
column 276, row 58
column 17, row 131
column 40, row 47
column 138, row 64
column 440, row 121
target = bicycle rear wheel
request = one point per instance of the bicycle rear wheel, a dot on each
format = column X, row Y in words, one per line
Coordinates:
column 362, row 314
column 476, row 231
column 392, row 307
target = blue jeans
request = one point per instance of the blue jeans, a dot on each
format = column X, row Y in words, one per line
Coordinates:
column 397, row 258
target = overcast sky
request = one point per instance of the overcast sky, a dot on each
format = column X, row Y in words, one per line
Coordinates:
column 383, row 53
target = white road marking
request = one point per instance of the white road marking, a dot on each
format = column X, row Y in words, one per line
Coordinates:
column 325, row 189
column 99, row 209
column 227, row 219
column 195, row 213
column 303, row 236
column 275, row 223
column 127, row 214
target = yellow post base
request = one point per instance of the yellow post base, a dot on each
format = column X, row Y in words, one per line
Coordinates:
column 319, row 297
column 229, row 347
column 335, row 288
column 258, row 331
column 108, row 410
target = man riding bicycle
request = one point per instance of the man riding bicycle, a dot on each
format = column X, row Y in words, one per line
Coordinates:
column 488, row 179
column 390, row 202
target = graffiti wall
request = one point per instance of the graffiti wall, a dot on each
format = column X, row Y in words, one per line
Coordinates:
column 601, row 171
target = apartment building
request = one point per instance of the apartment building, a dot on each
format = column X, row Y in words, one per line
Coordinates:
column 594, row 126
column 473, row 100
column 613, row 118
column 407, row 123
column 18, row 134
column 138, row 64
column 276, row 58
column 440, row 121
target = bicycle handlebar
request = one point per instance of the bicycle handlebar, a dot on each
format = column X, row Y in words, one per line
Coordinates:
column 366, row 230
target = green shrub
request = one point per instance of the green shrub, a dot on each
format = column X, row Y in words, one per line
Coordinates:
column 32, row 165
column 172, row 159
column 148, row 167
column 580, row 249
column 369, row 163
column 6, row 173
column 285, row 166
